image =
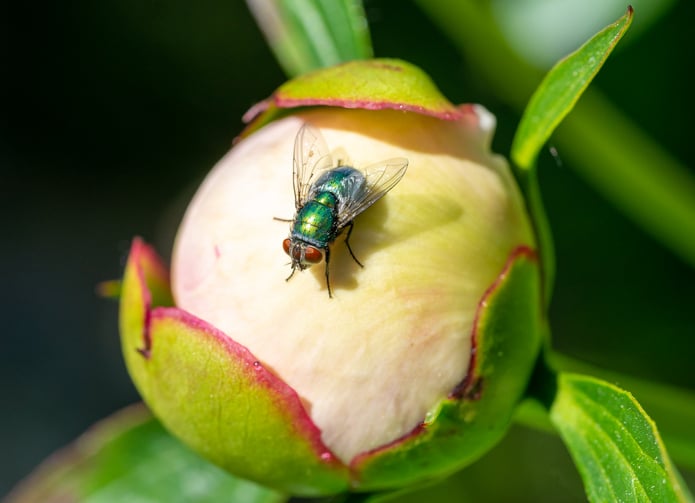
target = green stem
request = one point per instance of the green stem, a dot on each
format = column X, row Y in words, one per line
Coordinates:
column 627, row 166
column 542, row 230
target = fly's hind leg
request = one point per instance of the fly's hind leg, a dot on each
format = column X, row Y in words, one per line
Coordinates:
column 347, row 243
column 327, row 252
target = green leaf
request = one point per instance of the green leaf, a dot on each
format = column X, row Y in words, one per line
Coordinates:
column 673, row 409
column 551, row 102
column 560, row 90
column 613, row 442
column 130, row 457
column 310, row 34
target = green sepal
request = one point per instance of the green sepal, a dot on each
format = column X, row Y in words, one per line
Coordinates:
column 213, row 394
column 615, row 445
column 131, row 456
column 373, row 84
column 507, row 338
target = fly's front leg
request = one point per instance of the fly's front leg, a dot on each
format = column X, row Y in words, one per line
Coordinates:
column 347, row 243
column 328, row 280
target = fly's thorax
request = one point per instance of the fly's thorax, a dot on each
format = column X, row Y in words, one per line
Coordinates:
column 315, row 222
column 344, row 182
column 327, row 199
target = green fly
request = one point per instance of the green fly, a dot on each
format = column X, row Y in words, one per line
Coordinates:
column 328, row 197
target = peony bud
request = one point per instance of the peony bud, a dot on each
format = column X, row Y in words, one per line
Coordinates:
column 411, row 369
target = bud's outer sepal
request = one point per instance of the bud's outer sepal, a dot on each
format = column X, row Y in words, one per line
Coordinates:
column 474, row 418
column 214, row 394
column 375, row 84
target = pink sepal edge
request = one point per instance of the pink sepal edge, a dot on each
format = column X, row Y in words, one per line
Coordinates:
column 277, row 100
column 469, row 388
column 140, row 254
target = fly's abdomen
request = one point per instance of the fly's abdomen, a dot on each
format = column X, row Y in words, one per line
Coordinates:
column 315, row 222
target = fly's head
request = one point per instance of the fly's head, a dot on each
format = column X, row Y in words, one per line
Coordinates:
column 303, row 255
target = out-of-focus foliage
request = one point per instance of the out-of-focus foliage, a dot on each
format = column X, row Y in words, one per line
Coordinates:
column 543, row 31
column 310, row 35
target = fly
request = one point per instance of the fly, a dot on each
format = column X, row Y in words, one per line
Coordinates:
column 327, row 199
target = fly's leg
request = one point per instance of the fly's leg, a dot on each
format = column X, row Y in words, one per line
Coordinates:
column 328, row 281
column 347, row 243
column 291, row 274
column 282, row 219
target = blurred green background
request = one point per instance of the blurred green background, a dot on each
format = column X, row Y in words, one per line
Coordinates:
column 113, row 112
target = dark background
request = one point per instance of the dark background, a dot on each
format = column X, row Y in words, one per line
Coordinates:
column 113, row 111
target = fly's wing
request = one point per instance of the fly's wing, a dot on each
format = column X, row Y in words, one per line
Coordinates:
column 380, row 178
column 311, row 158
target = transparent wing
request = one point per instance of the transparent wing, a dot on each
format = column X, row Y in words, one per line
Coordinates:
column 380, row 178
column 311, row 158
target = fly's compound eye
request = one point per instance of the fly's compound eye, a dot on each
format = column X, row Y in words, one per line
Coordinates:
column 313, row 255
column 294, row 250
column 301, row 253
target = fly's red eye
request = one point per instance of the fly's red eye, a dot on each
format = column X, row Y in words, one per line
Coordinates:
column 313, row 255
column 286, row 245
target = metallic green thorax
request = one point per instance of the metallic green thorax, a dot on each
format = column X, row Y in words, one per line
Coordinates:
column 328, row 198
column 316, row 223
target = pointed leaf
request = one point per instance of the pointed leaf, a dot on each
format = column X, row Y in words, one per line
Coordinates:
column 613, row 442
column 560, row 90
column 551, row 102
